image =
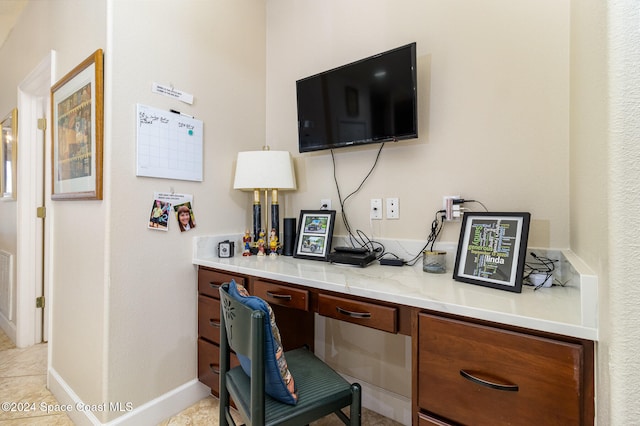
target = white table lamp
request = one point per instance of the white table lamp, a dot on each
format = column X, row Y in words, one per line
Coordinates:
column 263, row 171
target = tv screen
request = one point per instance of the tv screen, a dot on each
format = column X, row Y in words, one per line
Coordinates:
column 368, row 101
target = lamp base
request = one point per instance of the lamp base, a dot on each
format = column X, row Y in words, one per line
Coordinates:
column 257, row 222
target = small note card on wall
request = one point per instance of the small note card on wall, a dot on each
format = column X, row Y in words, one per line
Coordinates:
column 169, row 145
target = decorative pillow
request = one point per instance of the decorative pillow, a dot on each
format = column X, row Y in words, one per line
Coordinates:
column 278, row 381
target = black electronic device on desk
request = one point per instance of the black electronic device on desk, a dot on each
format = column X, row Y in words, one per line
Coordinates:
column 358, row 256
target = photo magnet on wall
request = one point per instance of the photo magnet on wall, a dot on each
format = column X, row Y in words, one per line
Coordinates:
column 159, row 216
column 163, row 203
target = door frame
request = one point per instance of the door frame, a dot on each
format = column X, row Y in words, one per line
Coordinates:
column 32, row 324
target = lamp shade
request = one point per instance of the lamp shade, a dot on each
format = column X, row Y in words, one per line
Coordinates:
column 264, row 170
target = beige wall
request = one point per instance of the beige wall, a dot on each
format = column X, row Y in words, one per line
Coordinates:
column 493, row 108
column 493, row 99
column 79, row 279
column 521, row 81
column 124, row 312
column 613, row 250
column 78, row 339
column 215, row 51
column 605, row 129
column 590, row 168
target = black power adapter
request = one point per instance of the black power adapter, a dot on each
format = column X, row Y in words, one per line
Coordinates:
column 392, row 262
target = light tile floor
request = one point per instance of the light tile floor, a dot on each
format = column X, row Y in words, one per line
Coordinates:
column 205, row 412
column 23, row 379
column 23, row 386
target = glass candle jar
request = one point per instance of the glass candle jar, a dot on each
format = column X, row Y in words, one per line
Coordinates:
column 434, row 262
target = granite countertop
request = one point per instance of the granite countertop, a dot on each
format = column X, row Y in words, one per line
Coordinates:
column 569, row 310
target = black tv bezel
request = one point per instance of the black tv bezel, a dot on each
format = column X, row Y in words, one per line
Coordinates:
column 412, row 48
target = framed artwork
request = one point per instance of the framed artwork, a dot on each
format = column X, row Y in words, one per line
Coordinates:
column 315, row 231
column 9, row 155
column 77, row 132
column 492, row 250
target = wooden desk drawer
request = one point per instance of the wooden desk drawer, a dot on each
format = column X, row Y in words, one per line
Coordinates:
column 481, row 375
column 209, row 365
column 209, row 281
column 276, row 294
column 426, row 420
column 209, row 318
column 368, row 314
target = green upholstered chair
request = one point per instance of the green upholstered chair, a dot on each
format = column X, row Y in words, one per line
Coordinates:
column 321, row 391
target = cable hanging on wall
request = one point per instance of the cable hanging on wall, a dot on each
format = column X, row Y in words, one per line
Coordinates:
column 357, row 238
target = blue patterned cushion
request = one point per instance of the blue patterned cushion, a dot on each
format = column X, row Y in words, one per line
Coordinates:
column 279, row 383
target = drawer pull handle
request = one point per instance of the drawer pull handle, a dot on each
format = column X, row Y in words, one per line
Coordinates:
column 214, row 369
column 353, row 314
column 214, row 285
column 483, row 382
column 279, row 296
column 214, row 323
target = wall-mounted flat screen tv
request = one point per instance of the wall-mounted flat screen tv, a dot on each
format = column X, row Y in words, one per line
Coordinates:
column 367, row 101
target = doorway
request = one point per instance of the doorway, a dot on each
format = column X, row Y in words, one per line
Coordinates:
column 32, row 323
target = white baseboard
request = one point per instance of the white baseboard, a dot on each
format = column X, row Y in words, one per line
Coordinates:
column 389, row 404
column 152, row 412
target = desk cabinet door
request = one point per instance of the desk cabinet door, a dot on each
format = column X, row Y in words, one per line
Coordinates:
column 425, row 420
column 209, row 318
column 209, row 365
column 282, row 295
column 209, row 281
column 291, row 308
column 480, row 375
column 372, row 315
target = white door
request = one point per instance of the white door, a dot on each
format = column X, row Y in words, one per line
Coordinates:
column 31, row 261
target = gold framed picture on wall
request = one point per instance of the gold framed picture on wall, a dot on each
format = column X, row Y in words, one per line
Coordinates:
column 9, row 155
column 77, row 111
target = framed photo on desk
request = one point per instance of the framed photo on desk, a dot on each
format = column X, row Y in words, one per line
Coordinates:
column 492, row 250
column 314, row 235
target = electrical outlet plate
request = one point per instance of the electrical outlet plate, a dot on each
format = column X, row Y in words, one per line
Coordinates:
column 452, row 212
column 393, row 208
column 375, row 212
column 325, row 204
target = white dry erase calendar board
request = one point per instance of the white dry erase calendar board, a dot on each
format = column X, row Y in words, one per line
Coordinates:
column 169, row 145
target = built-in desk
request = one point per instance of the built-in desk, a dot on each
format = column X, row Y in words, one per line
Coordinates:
column 478, row 354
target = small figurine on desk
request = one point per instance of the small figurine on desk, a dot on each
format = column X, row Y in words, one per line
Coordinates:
column 261, row 243
column 273, row 243
column 246, row 241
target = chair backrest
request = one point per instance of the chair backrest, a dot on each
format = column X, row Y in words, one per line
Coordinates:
column 242, row 330
column 239, row 320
